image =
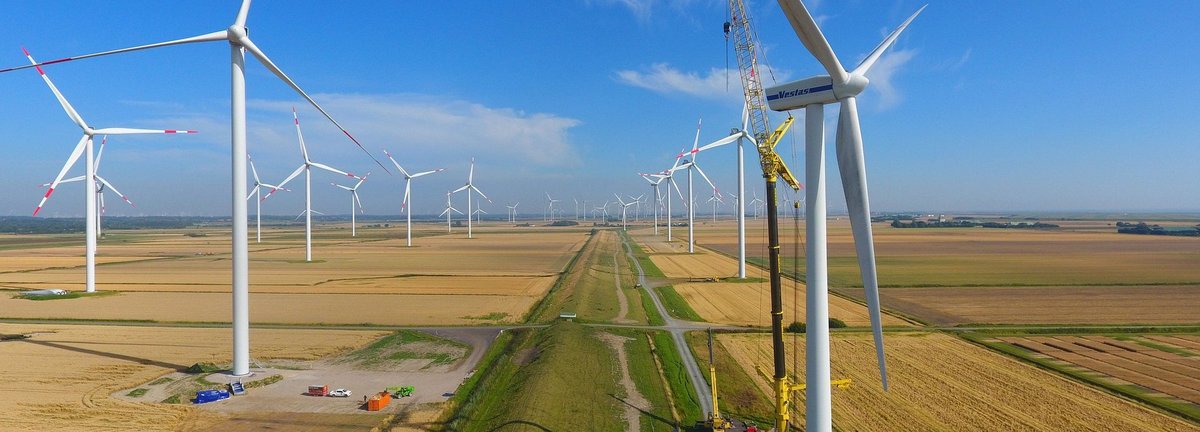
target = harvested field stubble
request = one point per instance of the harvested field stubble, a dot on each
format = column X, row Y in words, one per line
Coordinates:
column 1047, row 305
column 941, row 383
column 61, row 377
column 749, row 303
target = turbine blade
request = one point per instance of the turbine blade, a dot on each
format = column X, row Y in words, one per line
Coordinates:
column 70, row 180
column 883, row 46
column 802, row 22
column 342, row 187
column 240, row 21
column 427, row 173
column 262, row 58
column 677, row 191
column 696, row 142
column 720, row 142
column 460, row 189
column 331, row 169
column 289, row 178
column 210, row 37
column 62, row 100
column 114, row 189
column 358, row 201
column 471, row 173
column 254, row 189
column 407, row 191
column 299, row 134
column 132, row 131
column 70, row 161
column 480, row 193
column 852, row 167
column 397, row 164
column 705, row 176
column 252, row 170
column 99, row 154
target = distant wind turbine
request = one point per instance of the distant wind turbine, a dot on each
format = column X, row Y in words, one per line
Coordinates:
column 354, row 200
column 406, row 204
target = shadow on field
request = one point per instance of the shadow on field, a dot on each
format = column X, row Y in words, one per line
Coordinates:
column 138, row 360
column 521, row 422
column 665, row 421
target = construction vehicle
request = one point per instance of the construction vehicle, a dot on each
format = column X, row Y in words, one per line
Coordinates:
column 746, row 49
column 715, row 421
column 401, row 391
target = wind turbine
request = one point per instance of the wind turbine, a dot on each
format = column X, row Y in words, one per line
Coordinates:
column 638, row 202
column 512, row 211
column 85, row 145
column 239, row 42
column 691, row 208
column 256, row 192
column 658, row 199
column 755, row 203
column 738, row 135
column 405, row 205
column 354, row 200
column 576, row 207
column 470, row 186
column 479, row 213
column 716, row 198
column 812, row 94
column 306, row 168
column 446, row 212
column 624, row 207
column 104, row 184
column 550, row 207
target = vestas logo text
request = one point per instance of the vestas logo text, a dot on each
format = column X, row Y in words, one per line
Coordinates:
column 799, row 92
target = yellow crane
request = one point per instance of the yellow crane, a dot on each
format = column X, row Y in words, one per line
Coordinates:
column 716, row 422
column 745, row 44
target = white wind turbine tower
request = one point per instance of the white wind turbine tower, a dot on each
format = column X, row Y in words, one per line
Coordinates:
column 657, row 199
column 812, row 94
column 470, row 186
column 85, row 145
column 354, row 200
column 446, row 212
column 405, row 205
column 239, row 42
column 256, row 192
column 104, row 184
column 306, row 168
column 576, row 207
column 512, row 212
column 738, row 135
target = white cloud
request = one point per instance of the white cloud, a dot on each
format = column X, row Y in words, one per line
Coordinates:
column 663, row 78
column 882, row 76
column 427, row 125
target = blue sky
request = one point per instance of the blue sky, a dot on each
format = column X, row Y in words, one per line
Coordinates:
column 984, row 106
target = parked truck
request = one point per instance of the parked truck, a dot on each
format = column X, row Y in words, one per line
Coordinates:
column 318, row 390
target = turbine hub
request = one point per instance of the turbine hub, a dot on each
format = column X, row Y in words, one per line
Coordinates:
column 853, row 86
column 236, row 33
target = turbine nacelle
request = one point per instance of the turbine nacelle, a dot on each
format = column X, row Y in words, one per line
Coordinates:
column 814, row 90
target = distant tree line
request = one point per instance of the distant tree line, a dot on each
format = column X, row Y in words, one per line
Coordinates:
column 965, row 223
column 1144, row 229
column 43, row 225
column 897, row 223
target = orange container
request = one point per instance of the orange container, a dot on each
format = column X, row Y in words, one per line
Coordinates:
column 379, row 401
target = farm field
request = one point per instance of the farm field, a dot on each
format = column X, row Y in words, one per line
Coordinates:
column 749, row 304
column 1007, row 276
column 183, row 275
column 1156, row 304
column 731, row 301
column 1163, row 369
column 61, row 377
column 599, row 287
column 942, row 383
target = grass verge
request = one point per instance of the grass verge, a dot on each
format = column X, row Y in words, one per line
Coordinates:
column 68, row 295
column 676, row 305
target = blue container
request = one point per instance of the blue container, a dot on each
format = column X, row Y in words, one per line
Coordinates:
column 206, row 396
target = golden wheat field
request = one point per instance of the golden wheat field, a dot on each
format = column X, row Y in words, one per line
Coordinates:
column 176, row 276
column 749, row 303
column 942, row 383
column 1049, row 305
column 61, row 377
